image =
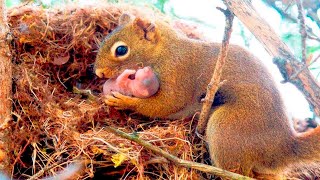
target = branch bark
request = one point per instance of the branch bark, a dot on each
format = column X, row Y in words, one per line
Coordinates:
column 303, row 31
column 181, row 162
column 215, row 80
column 283, row 58
column 6, row 82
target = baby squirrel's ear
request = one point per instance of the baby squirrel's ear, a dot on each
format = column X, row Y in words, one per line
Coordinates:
column 150, row 30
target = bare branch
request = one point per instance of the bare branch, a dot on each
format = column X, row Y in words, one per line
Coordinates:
column 215, row 80
column 5, row 67
column 303, row 31
column 6, row 81
column 181, row 162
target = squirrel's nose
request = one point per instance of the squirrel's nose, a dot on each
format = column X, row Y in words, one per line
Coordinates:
column 99, row 73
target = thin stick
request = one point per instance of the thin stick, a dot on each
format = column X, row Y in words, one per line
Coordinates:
column 181, row 162
column 303, row 31
column 215, row 80
column 70, row 171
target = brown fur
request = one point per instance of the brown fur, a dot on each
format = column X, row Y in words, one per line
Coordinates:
column 248, row 130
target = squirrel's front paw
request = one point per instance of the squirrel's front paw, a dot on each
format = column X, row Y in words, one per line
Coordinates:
column 120, row 101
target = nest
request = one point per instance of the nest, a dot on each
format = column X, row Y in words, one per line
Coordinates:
column 55, row 125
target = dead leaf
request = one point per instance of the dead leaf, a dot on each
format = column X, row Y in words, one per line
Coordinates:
column 118, row 159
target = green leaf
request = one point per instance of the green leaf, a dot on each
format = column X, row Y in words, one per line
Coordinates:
column 160, row 4
column 313, row 49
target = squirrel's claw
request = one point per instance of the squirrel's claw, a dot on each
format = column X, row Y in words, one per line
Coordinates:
column 120, row 101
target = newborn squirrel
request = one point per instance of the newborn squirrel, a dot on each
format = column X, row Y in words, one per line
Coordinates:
column 142, row 83
column 248, row 129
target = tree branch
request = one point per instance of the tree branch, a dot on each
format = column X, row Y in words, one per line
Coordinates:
column 6, row 82
column 282, row 56
column 215, row 80
column 181, row 162
column 303, row 31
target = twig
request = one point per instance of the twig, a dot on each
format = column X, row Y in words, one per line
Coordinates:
column 305, row 66
column 42, row 171
column 85, row 92
column 315, row 59
column 312, row 13
column 181, row 162
column 215, row 80
column 303, row 31
column 70, row 171
column 288, row 5
column 18, row 158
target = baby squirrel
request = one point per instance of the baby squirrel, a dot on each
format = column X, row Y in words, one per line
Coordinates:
column 141, row 83
column 248, row 129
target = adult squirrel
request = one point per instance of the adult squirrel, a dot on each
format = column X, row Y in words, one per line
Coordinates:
column 248, row 129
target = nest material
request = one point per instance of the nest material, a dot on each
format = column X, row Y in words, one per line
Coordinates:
column 55, row 126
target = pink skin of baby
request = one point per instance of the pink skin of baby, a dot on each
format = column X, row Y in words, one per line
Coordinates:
column 144, row 84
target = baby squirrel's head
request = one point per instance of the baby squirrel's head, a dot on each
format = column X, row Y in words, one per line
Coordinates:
column 129, row 46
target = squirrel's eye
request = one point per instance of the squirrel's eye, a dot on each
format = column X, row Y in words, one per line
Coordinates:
column 121, row 50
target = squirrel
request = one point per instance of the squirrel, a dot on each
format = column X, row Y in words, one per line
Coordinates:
column 141, row 83
column 248, row 129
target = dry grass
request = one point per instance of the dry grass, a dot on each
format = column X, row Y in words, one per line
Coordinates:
column 55, row 126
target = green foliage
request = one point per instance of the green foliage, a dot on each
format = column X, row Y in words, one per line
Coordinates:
column 245, row 34
column 160, row 4
column 10, row 3
column 313, row 49
column 43, row 3
column 52, row 3
column 293, row 40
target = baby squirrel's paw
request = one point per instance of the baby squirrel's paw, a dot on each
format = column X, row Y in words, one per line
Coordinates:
column 120, row 101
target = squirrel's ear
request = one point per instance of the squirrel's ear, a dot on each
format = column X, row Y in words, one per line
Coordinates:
column 125, row 19
column 150, row 30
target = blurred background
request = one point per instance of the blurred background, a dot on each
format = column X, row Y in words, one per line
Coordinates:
column 280, row 14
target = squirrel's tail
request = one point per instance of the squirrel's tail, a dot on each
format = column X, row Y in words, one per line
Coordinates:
column 306, row 151
column 309, row 144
